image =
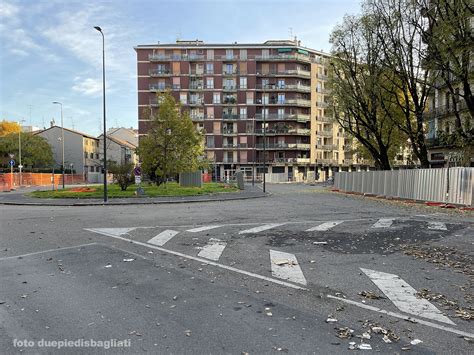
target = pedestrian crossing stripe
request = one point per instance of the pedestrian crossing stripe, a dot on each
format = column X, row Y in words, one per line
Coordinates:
column 162, row 238
column 403, row 296
column 383, row 223
column 285, row 266
column 213, row 249
column 324, row 226
column 110, row 232
column 262, row 228
column 203, row 228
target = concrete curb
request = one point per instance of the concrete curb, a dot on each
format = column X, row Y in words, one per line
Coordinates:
column 128, row 203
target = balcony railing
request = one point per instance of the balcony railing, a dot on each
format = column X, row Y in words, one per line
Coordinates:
column 322, row 104
column 196, row 102
column 294, row 146
column 289, row 72
column 231, row 116
column 228, row 131
column 284, row 117
column 200, row 117
column 234, row 146
column 446, row 110
column 327, row 161
column 230, row 72
column 325, row 119
column 325, row 133
column 303, row 160
column 196, row 86
column 298, row 102
column 229, row 101
column 159, row 72
column 327, row 146
column 160, row 87
column 286, row 87
column 229, row 87
column 290, row 131
column 281, row 57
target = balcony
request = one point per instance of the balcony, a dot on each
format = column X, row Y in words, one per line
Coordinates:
column 284, row 117
column 230, row 72
column 198, row 117
column 229, row 88
column 283, row 57
column 322, row 104
column 194, row 102
column 442, row 111
column 159, row 72
column 298, row 102
column 325, row 119
column 325, row 133
column 196, row 86
column 289, row 146
column 160, row 87
column 282, row 88
column 329, row 147
column 290, row 72
column 229, row 101
column 194, row 72
column 327, row 161
column 283, row 131
column 303, row 160
column 322, row 76
column 230, row 116
column 229, row 131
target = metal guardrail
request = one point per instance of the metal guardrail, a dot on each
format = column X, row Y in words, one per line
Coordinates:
column 453, row 185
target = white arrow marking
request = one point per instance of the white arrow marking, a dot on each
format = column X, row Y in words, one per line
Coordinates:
column 163, row 237
column 404, row 297
column 324, row 226
column 111, row 232
column 285, row 266
column 437, row 226
column 213, row 250
column 201, row 229
column 261, row 228
column 383, row 223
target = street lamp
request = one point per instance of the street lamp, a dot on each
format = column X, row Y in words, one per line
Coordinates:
column 19, row 149
column 264, row 137
column 105, row 130
column 62, row 138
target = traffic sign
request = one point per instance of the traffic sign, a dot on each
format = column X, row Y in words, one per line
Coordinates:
column 11, row 162
column 137, row 171
column 20, row 166
column 138, row 179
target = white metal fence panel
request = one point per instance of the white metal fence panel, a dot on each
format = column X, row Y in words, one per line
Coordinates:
column 419, row 184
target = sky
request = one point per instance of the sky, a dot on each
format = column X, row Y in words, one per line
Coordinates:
column 49, row 50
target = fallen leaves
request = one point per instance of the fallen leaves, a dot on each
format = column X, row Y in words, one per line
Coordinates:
column 371, row 295
column 463, row 313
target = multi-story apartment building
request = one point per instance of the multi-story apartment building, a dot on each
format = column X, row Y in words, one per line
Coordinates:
column 249, row 99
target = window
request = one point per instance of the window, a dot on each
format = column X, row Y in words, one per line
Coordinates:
column 265, row 98
column 210, row 83
column 176, row 67
column 229, row 68
column 265, row 83
column 217, row 128
column 250, row 98
column 97, row 169
column 265, row 53
column 229, row 84
column 229, row 53
column 210, row 68
column 210, row 112
column 210, row 54
column 97, row 155
column 281, row 83
column 85, row 155
column 176, row 83
column 183, row 98
column 249, row 127
column 281, row 112
column 243, row 82
column 243, row 112
column 216, row 98
column 243, row 54
column 92, row 155
column 281, row 98
column 210, row 141
column 243, row 68
column 92, row 169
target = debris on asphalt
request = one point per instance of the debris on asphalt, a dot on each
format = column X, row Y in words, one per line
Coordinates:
column 361, row 346
column 108, row 265
column 331, row 319
column 370, row 295
column 321, row 243
column 187, row 332
column 128, row 260
column 463, row 313
column 344, row 333
column 281, row 262
column 416, row 342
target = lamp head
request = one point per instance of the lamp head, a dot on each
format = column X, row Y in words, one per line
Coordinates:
column 98, row 28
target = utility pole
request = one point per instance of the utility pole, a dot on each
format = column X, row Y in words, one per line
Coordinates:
column 264, row 139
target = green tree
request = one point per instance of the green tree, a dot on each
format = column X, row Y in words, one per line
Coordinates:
column 122, row 174
column 172, row 145
column 35, row 150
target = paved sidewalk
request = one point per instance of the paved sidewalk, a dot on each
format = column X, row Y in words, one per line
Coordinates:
column 18, row 198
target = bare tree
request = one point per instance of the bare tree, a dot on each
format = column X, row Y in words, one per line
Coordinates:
column 358, row 99
column 409, row 85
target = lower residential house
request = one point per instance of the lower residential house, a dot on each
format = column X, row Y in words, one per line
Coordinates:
column 118, row 150
column 81, row 151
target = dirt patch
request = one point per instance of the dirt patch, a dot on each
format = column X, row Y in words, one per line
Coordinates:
column 83, row 189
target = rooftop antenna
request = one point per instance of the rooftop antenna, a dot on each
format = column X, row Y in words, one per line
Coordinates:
column 290, row 31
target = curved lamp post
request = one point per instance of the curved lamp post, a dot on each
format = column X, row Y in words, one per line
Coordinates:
column 62, row 138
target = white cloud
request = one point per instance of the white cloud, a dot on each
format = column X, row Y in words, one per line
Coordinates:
column 8, row 10
column 88, row 87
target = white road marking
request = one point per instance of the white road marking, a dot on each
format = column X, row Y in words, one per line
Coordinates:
column 404, row 297
column 437, row 226
column 324, row 226
column 261, row 228
column 383, row 223
column 46, row 251
column 204, row 228
column 163, row 237
column 402, row 316
column 290, row 270
column 111, row 231
column 209, row 262
column 213, row 250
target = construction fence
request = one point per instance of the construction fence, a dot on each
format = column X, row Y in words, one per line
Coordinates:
column 12, row 181
column 445, row 185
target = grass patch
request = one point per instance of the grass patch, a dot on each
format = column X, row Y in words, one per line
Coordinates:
column 113, row 190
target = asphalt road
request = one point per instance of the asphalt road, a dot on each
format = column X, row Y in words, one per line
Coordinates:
column 287, row 273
